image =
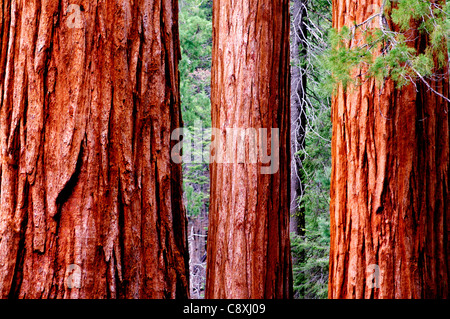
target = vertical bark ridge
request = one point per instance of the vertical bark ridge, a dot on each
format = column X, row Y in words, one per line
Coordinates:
column 389, row 193
column 248, row 236
column 88, row 101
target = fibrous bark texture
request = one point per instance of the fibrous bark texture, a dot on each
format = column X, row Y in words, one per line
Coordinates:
column 90, row 201
column 389, row 189
column 248, row 236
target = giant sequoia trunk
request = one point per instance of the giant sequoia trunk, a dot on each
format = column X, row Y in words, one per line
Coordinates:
column 248, row 237
column 389, row 189
column 90, row 201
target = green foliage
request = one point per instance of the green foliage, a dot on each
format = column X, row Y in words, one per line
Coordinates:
column 195, row 200
column 382, row 53
column 311, row 275
column 196, row 173
column 311, row 251
column 195, row 75
column 341, row 60
column 195, row 65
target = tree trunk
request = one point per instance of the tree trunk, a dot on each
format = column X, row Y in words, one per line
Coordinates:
column 298, row 115
column 248, row 236
column 389, row 189
column 91, row 204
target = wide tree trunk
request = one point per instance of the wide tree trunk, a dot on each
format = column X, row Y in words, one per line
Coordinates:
column 389, row 189
column 248, row 236
column 91, row 203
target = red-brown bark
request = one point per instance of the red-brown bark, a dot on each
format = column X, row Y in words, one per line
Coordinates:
column 248, row 237
column 389, row 189
column 88, row 102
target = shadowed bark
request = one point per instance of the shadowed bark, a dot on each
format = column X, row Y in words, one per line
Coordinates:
column 89, row 195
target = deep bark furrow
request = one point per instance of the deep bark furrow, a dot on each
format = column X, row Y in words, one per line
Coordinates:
column 389, row 199
column 103, row 80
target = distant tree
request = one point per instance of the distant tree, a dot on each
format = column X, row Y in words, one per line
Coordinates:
column 299, row 49
column 310, row 97
column 195, row 80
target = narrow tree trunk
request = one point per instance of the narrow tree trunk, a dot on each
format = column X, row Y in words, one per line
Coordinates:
column 298, row 115
column 389, row 189
column 91, row 203
column 248, row 237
